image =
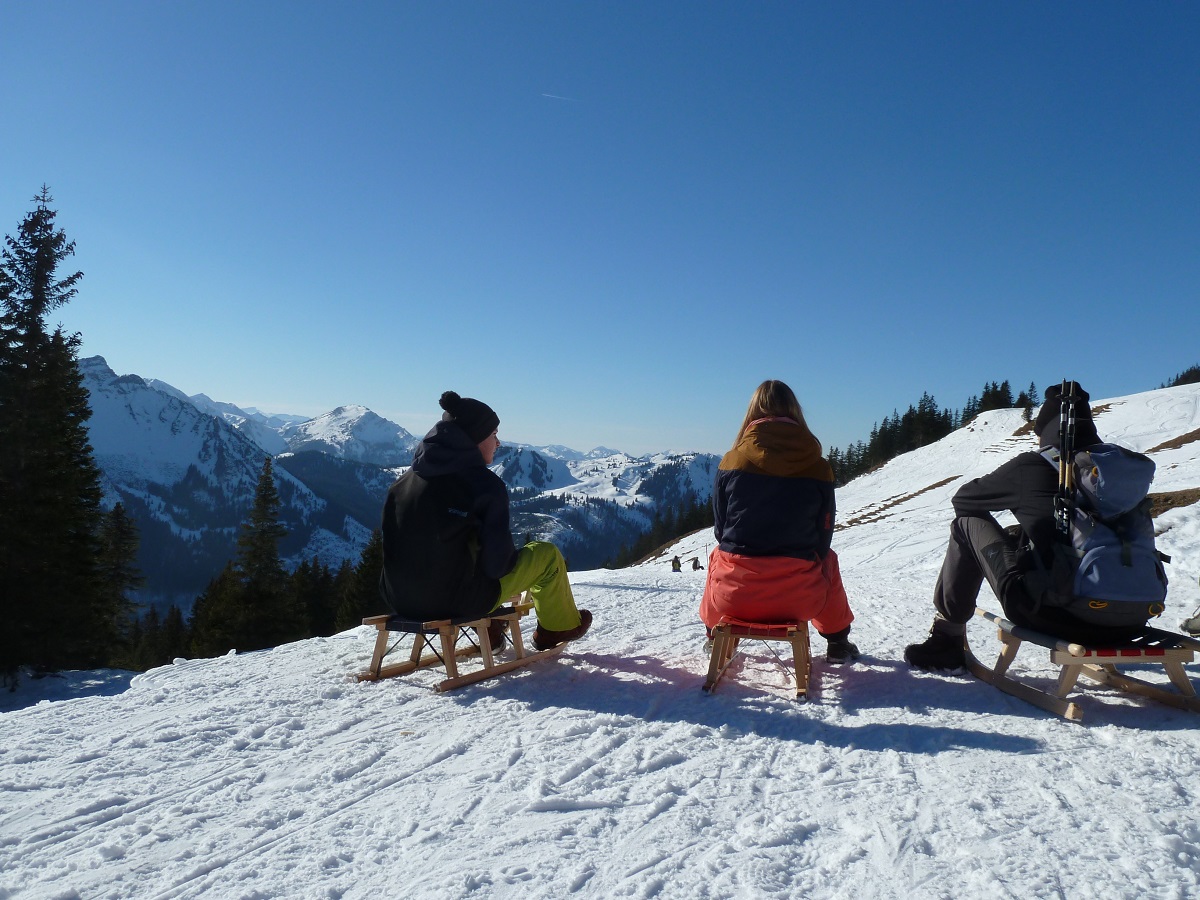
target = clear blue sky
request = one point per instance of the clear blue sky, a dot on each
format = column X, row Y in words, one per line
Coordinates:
column 612, row 220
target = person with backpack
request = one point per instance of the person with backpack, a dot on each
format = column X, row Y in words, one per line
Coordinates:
column 774, row 506
column 447, row 548
column 1026, row 565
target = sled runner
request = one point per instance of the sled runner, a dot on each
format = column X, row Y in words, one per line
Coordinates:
column 456, row 639
column 727, row 635
column 1151, row 647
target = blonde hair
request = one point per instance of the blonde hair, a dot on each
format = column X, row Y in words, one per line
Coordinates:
column 772, row 399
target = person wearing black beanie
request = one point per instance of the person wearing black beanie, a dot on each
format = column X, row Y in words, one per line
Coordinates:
column 448, row 549
column 980, row 549
column 474, row 417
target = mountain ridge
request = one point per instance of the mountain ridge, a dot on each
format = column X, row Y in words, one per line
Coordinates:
column 185, row 468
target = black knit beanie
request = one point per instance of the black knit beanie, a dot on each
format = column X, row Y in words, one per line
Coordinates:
column 472, row 416
column 1047, row 423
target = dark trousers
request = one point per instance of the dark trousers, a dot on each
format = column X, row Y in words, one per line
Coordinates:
column 980, row 549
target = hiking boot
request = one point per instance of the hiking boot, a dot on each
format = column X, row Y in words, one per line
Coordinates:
column 496, row 629
column 941, row 652
column 840, row 650
column 544, row 639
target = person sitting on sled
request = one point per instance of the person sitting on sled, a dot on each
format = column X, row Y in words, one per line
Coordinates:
column 979, row 548
column 774, row 508
column 447, row 548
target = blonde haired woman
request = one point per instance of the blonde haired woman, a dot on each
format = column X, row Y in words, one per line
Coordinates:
column 774, row 509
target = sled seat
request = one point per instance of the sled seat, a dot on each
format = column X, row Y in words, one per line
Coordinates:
column 451, row 641
column 1098, row 663
column 730, row 632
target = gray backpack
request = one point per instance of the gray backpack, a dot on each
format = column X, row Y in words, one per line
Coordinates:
column 1107, row 571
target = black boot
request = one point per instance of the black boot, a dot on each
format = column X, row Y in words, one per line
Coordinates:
column 840, row 649
column 941, row 652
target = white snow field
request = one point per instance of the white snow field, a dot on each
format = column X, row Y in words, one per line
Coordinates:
column 607, row 772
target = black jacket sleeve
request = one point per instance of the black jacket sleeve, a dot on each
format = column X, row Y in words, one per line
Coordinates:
column 991, row 493
column 1026, row 486
column 497, row 552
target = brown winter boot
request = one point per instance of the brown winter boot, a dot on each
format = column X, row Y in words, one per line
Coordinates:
column 544, row 639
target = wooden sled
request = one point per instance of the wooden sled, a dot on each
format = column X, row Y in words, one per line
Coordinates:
column 456, row 640
column 727, row 635
column 1097, row 663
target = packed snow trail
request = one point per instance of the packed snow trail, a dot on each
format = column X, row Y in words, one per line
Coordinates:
column 605, row 773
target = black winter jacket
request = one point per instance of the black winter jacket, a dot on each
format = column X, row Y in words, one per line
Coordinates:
column 446, row 538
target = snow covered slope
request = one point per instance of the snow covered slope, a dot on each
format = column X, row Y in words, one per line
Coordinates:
column 608, row 773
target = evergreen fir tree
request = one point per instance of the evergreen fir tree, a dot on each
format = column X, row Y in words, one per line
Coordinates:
column 50, row 515
column 119, row 575
column 1190, row 375
column 250, row 605
column 268, row 613
column 175, row 636
column 213, row 626
column 146, row 643
column 360, row 596
column 313, row 588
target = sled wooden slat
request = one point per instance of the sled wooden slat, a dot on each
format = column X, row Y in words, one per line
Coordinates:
column 1029, row 694
column 496, row 669
column 727, row 635
column 444, row 637
column 1151, row 647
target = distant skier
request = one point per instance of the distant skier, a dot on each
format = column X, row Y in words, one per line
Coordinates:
column 774, row 509
column 979, row 548
column 676, row 565
column 447, row 548
column 696, row 567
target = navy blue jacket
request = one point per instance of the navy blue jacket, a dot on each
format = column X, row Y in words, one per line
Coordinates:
column 774, row 494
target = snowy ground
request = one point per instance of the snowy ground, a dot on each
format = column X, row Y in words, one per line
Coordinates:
column 608, row 772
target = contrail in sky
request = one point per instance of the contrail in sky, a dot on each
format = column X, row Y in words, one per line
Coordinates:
column 557, row 97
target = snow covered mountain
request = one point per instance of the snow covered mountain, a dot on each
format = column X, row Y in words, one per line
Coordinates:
column 528, row 469
column 265, row 430
column 186, row 467
column 607, row 772
column 187, row 478
column 354, row 433
column 592, row 507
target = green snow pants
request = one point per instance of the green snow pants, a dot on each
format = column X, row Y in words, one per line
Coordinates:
column 541, row 570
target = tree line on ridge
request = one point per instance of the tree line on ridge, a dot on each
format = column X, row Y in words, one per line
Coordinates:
column 921, row 425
